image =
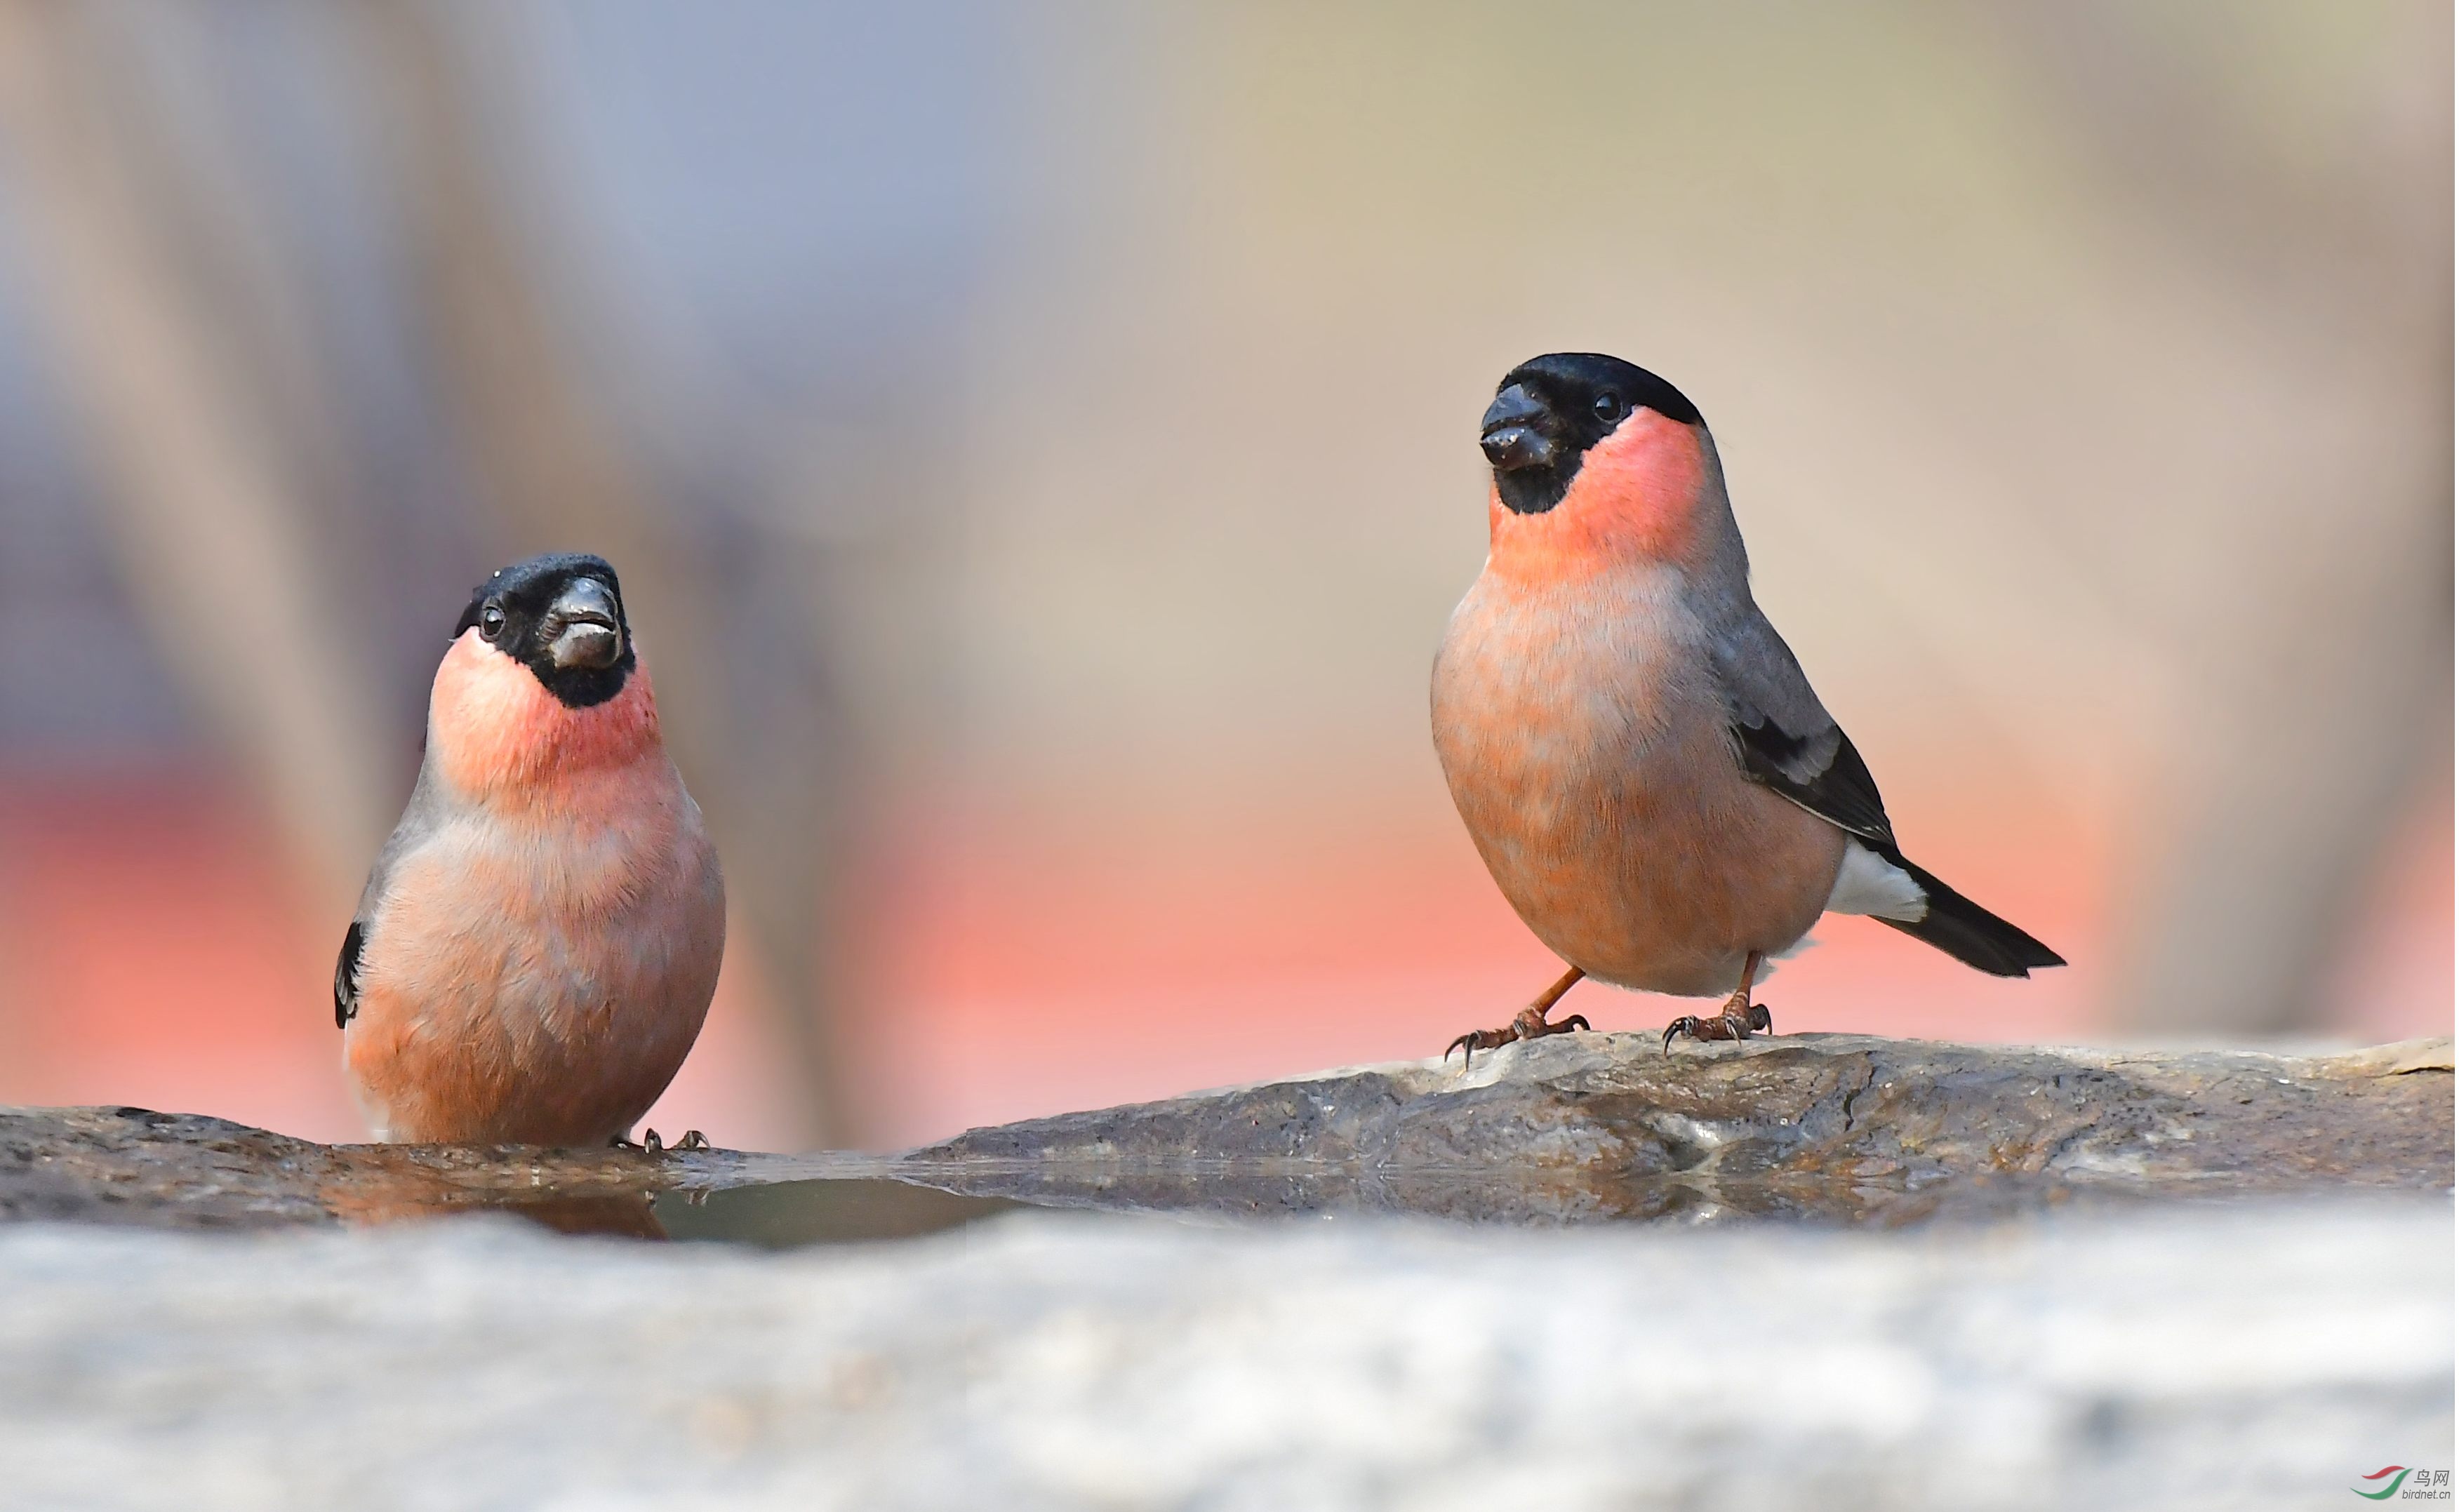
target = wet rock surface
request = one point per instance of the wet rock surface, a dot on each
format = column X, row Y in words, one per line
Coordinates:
column 175, row 1170
column 1576, row 1128
column 1835, row 1128
column 202, row 1315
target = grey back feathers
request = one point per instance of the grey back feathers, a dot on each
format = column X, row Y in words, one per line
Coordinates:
column 1784, row 736
column 1787, row 742
column 424, row 815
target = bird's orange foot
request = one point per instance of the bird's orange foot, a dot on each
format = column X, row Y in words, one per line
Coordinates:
column 692, row 1140
column 1740, row 1021
column 1529, row 1024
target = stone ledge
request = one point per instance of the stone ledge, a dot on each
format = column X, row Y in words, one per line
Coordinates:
column 2159, row 1353
column 1842, row 1126
column 1584, row 1127
column 131, row 1165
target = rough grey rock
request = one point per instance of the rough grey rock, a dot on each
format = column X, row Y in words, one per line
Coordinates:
column 179, row 1170
column 2147, row 1352
column 1579, row 1128
column 1822, row 1126
column 2255, row 1357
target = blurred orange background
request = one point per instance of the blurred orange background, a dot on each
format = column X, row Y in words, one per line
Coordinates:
column 1039, row 444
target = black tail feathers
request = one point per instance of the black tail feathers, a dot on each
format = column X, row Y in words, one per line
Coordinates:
column 1970, row 932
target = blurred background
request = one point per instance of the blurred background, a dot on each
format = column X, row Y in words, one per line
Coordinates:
column 1039, row 442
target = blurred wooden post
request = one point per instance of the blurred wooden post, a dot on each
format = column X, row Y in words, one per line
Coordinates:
column 2304, row 737
column 206, row 522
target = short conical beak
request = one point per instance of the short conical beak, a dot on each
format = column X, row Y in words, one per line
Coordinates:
column 584, row 630
column 1511, row 436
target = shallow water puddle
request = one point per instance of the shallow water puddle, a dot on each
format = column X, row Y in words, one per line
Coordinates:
column 790, row 1215
column 868, row 1209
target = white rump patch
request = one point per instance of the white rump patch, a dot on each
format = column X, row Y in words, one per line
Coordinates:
column 1868, row 883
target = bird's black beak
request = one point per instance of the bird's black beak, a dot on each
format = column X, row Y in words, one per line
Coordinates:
column 1511, row 436
column 583, row 631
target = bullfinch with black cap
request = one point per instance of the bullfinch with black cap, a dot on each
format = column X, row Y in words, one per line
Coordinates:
column 538, row 944
column 1636, row 753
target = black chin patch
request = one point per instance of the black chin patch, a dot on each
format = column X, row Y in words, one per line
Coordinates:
column 582, row 687
column 1574, row 387
column 1533, row 491
column 522, row 593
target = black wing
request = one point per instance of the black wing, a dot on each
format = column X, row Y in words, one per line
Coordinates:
column 1785, row 739
column 1768, row 701
column 346, row 978
column 1822, row 773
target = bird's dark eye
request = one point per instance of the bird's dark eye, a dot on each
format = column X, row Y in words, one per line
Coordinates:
column 1609, row 408
column 490, row 622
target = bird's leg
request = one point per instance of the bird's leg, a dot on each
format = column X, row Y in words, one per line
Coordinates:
column 1529, row 1024
column 1737, row 1019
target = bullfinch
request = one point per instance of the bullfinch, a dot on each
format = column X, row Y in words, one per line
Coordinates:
column 1636, row 753
column 538, row 942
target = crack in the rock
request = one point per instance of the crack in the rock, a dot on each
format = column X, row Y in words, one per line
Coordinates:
column 1869, row 1077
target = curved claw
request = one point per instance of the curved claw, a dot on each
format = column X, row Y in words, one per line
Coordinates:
column 1686, row 1024
column 1756, row 1017
column 1575, row 1021
column 650, row 1142
column 1476, row 1040
column 692, row 1140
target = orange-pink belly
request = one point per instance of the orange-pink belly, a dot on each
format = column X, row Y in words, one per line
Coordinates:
column 519, row 996
column 1589, row 762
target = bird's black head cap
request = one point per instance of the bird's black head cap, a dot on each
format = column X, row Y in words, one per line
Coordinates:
column 1547, row 412
column 562, row 615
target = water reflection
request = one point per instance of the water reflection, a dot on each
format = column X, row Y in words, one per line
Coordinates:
column 789, row 1215
column 858, row 1202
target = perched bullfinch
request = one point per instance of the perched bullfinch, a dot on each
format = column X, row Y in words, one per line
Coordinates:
column 538, row 942
column 1635, row 752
